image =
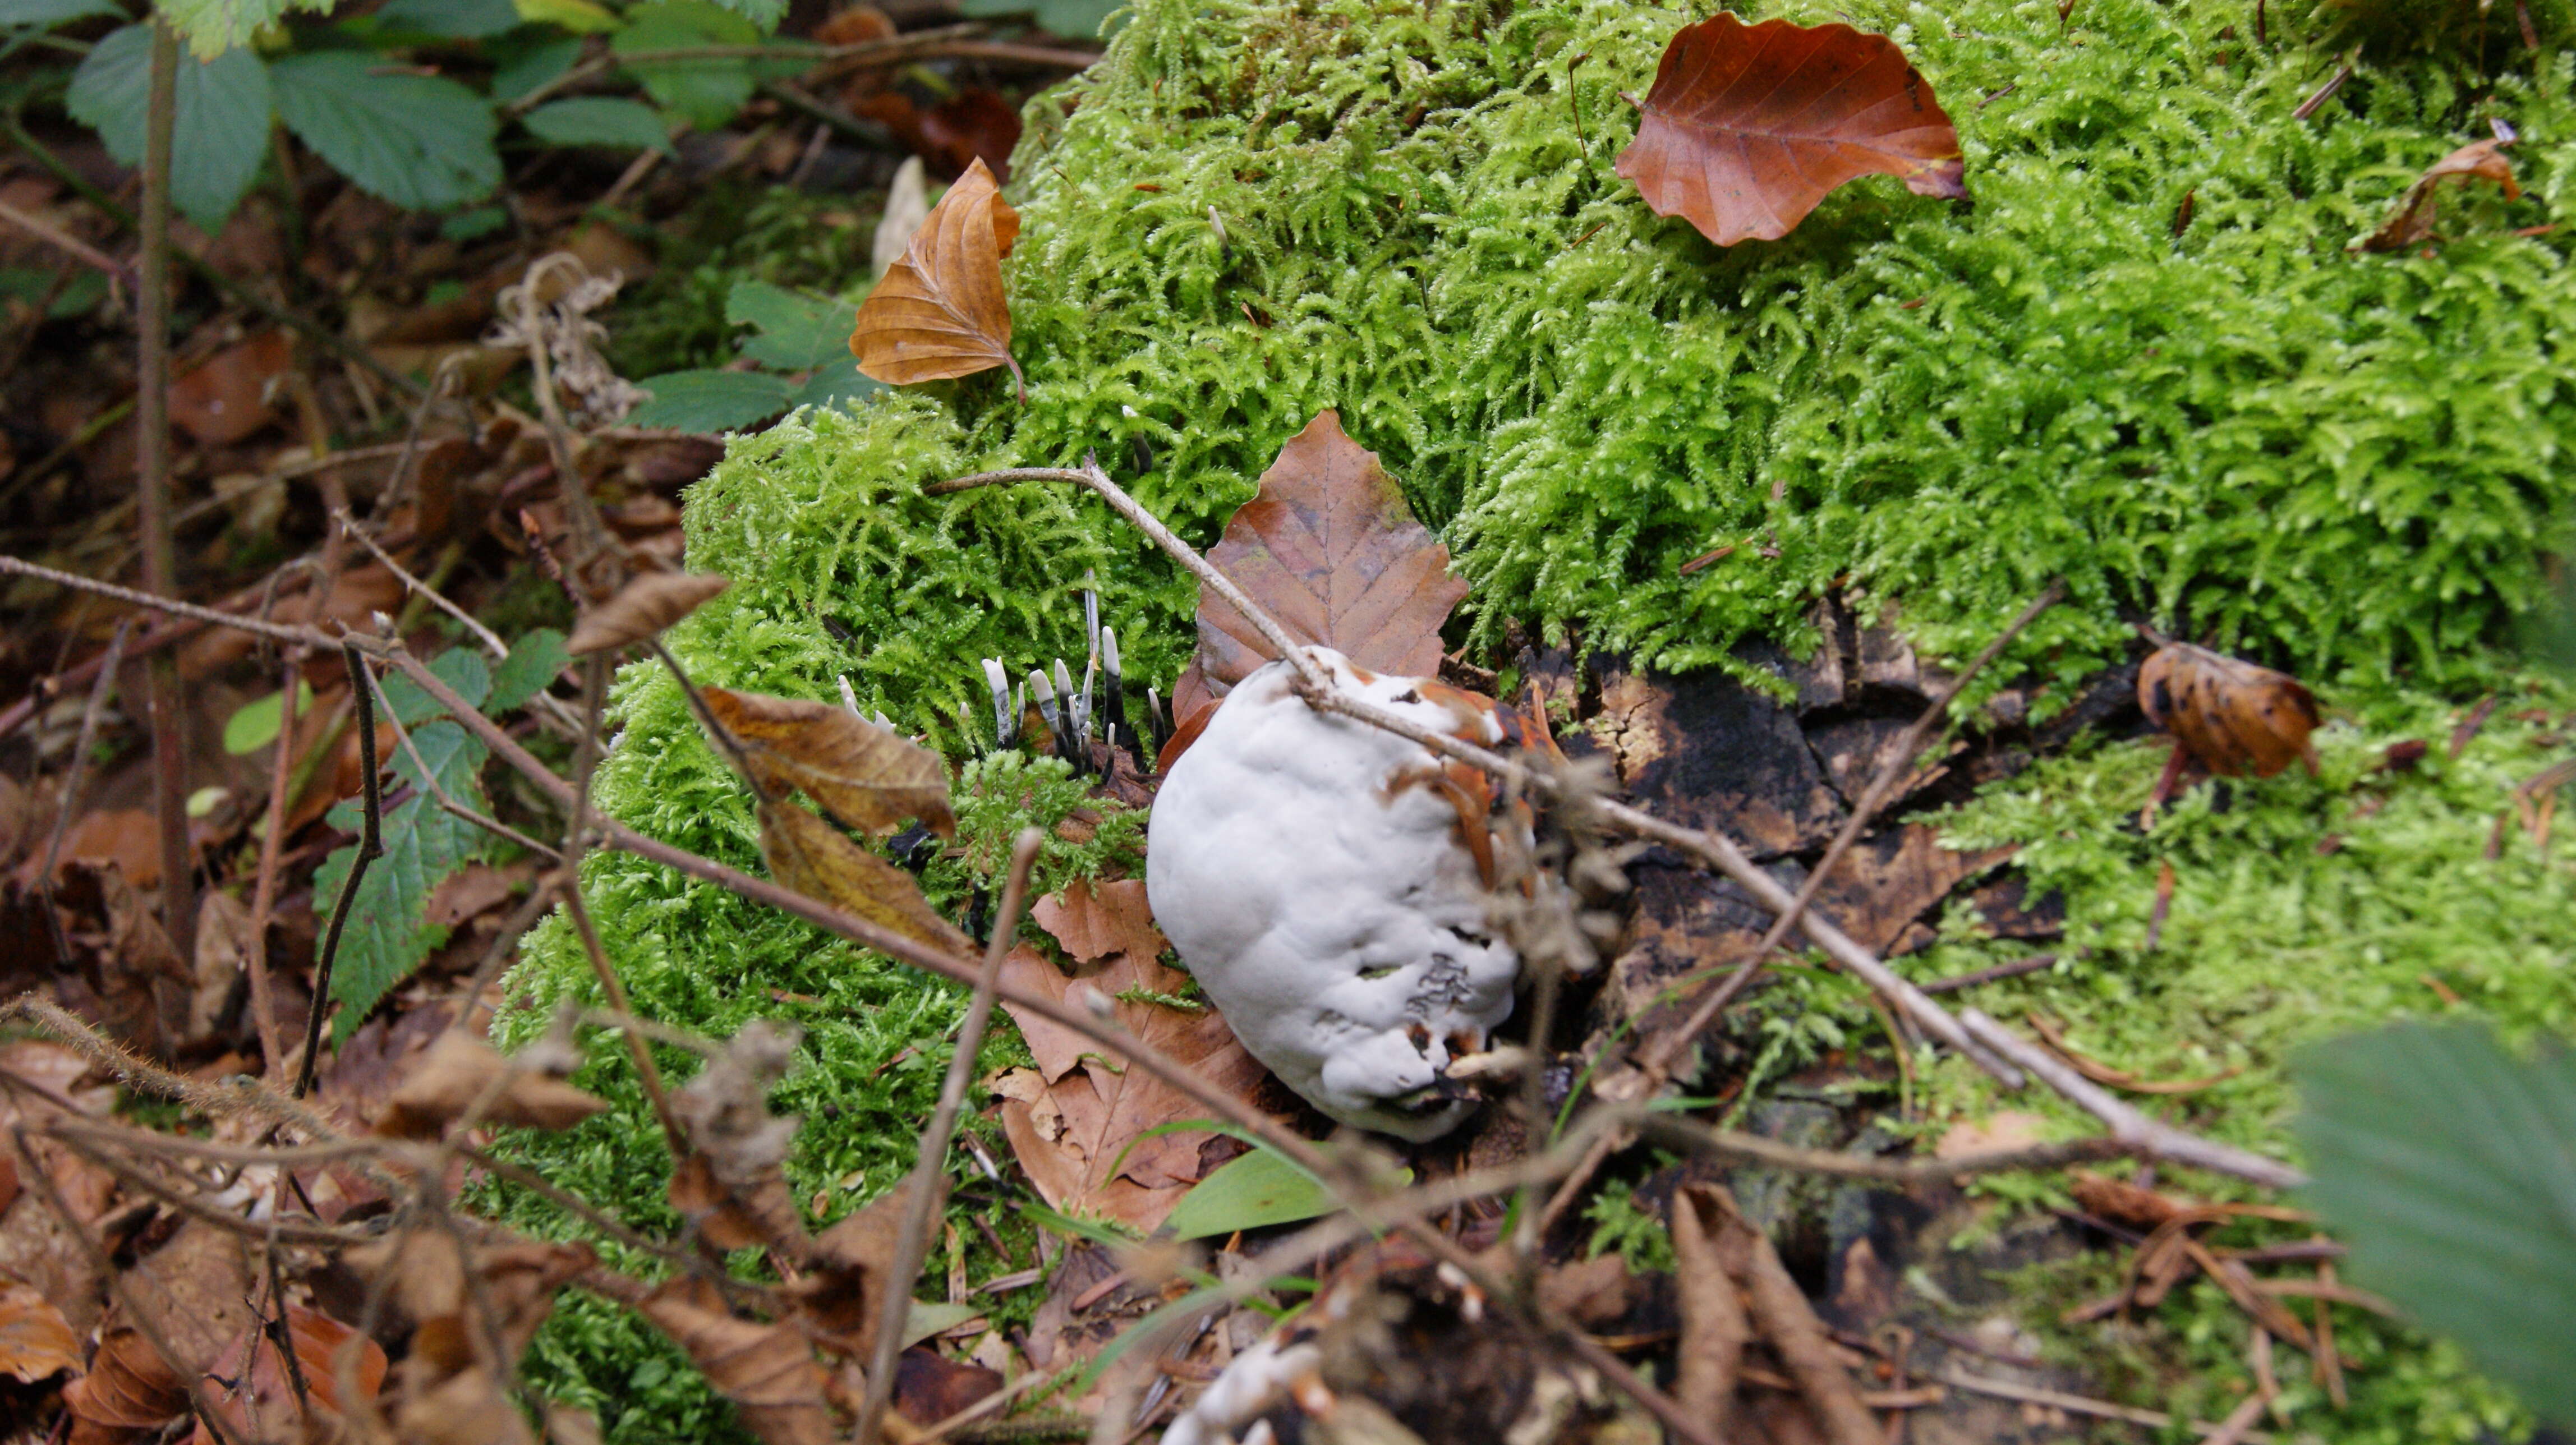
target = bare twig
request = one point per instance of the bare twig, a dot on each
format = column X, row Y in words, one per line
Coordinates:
column 2153, row 1139
column 73, row 771
column 2015, row 969
column 1675, row 1131
column 491, row 640
column 272, row 854
column 371, row 846
column 163, row 702
column 242, row 1098
column 2081, row 1405
column 67, row 243
column 912, row 1242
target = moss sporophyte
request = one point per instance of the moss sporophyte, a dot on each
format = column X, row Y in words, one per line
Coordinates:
column 2242, row 433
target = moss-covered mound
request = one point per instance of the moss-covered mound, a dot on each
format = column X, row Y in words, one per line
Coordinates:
column 1251, row 211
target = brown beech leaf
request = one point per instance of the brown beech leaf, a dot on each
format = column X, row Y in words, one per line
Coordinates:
column 1077, row 1122
column 36, row 1342
column 867, row 776
column 457, row 1071
column 811, row 856
column 249, row 1387
column 853, row 1268
column 641, row 609
column 940, row 311
column 129, row 1388
column 2412, row 221
column 1747, row 127
column 1329, row 548
column 767, row 1370
column 1096, row 920
column 929, row 1387
column 2233, row 716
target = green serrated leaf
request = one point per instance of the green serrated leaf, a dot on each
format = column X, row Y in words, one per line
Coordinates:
column 456, row 19
column 219, row 137
column 705, row 93
column 600, row 121
column 26, row 283
column 422, row 142
column 1258, row 1189
column 581, row 17
column 2449, row 1166
column 1073, row 19
column 835, row 384
column 710, row 401
column 461, row 668
column 45, row 14
column 529, row 59
column 255, row 725
column 387, row 935
column 533, row 662
column 797, row 330
column 764, row 13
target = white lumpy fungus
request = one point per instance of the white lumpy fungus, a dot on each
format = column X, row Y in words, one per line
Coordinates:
column 1313, row 876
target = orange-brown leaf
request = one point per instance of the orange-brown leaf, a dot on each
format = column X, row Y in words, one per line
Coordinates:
column 1078, row 1121
column 250, row 1387
column 35, row 1340
column 940, row 311
column 460, row 1071
column 1096, row 920
column 1749, row 126
column 2412, row 221
column 1329, row 548
column 868, row 776
column 2233, row 716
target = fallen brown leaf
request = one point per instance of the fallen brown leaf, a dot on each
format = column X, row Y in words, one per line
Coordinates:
column 866, row 776
column 228, row 396
column 1078, row 1121
column 1097, row 920
column 251, row 1392
column 941, row 311
column 929, row 1387
column 461, row 1070
column 811, row 856
column 641, row 609
column 2233, row 716
column 2412, row 221
column 1714, row 1327
column 1747, row 127
column 129, row 1388
column 1329, row 548
column 853, row 1266
column 976, row 123
column 767, row 1370
column 36, row 1342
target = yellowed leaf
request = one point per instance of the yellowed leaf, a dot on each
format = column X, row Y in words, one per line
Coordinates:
column 811, row 856
column 642, row 609
column 866, row 776
column 940, row 311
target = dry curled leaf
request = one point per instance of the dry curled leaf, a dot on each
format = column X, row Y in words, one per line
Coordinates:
column 811, row 856
column 36, row 1342
column 459, row 1071
column 867, row 776
column 642, row 609
column 940, row 311
column 853, row 1267
column 252, row 1392
column 767, row 1370
column 1078, row 1122
column 2412, row 221
column 1329, row 548
column 2233, row 716
column 1747, row 127
column 732, row 1184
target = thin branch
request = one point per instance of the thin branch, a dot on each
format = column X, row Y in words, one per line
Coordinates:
column 243, row 1098
column 738, row 1290
column 272, row 856
column 2151, row 1138
column 67, row 243
column 912, row 1241
column 1674, row 1131
column 371, row 846
column 163, row 702
column 491, row 640
column 438, row 790
column 73, row 771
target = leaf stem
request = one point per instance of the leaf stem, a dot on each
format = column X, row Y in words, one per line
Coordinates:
column 371, row 846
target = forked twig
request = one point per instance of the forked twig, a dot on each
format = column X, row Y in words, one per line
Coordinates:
column 912, row 1242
